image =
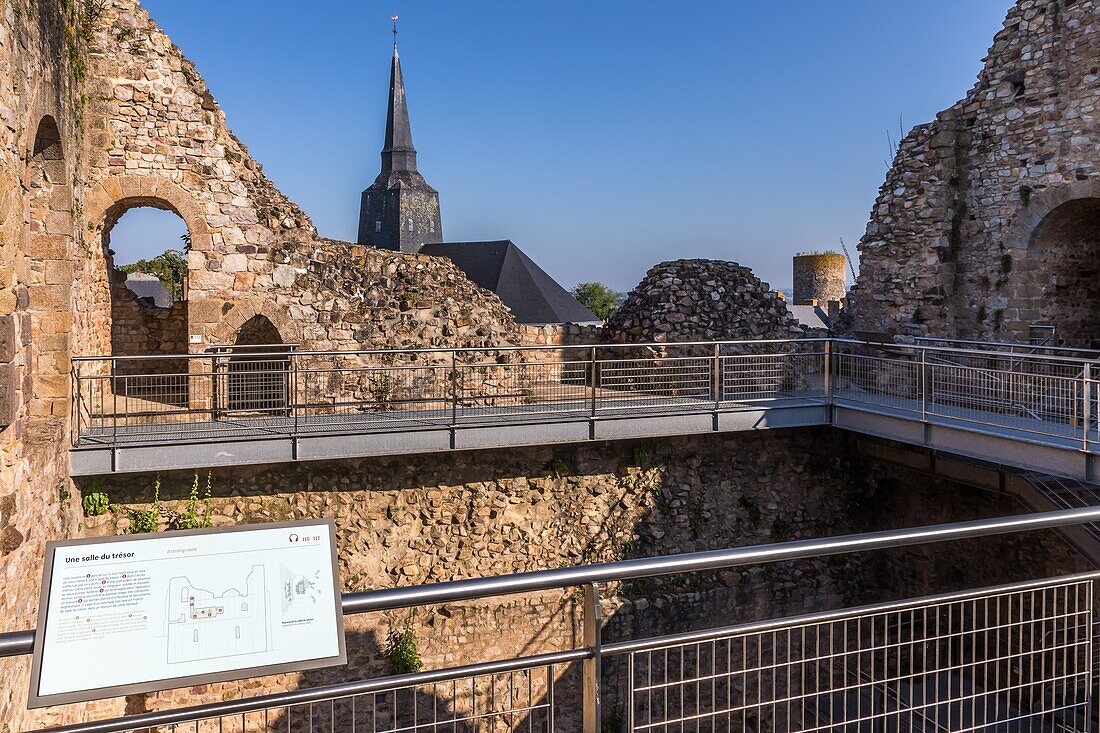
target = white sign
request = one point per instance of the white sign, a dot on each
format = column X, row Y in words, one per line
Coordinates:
column 123, row 615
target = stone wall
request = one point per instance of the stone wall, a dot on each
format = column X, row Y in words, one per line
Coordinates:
column 404, row 521
column 139, row 329
column 989, row 217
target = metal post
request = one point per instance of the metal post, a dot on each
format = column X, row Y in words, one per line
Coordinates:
column 595, row 378
column 294, row 391
column 922, row 385
column 828, row 370
column 76, row 402
column 114, row 402
column 1087, row 406
column 716, row 378
column 592, row 641
column 454, row 388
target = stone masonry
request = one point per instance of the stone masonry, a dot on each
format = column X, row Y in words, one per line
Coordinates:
column 989, row 219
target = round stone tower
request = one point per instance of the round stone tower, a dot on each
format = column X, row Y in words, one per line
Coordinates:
column 818, row 277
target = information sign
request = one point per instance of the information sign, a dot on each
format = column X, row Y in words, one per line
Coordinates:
column 123, row 615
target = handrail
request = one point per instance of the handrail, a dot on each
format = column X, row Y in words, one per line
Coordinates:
column 600, row 346
column 22, row 642
column 1009, row 344
column 475, row 349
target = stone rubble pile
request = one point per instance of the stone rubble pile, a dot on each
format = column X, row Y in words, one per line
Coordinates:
column 700, row 300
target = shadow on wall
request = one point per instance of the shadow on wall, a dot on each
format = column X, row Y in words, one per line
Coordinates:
column 493, row 512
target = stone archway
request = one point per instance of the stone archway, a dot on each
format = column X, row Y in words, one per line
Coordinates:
column 104, row 204
column 258, row 379
column 1051, row 248
column 1065, row 247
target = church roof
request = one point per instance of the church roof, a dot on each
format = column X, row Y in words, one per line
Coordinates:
column 398, row 153
column 533, row 296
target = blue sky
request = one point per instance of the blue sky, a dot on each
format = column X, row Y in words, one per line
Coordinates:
column 602, row 137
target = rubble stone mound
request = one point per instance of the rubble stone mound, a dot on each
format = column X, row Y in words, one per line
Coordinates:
column 700, row 300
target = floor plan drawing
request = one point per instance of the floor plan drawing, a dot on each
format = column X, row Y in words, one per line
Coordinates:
column 202, row 624
column 299, row 591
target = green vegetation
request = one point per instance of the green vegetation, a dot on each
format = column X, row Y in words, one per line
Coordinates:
column 559, row 468
column 192, row 517
column 598, row 298
column 402, row 652
column 143, row 521
column 95, row 503
column 170, row 267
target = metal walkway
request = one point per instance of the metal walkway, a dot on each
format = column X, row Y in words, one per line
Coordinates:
column 1004, row 404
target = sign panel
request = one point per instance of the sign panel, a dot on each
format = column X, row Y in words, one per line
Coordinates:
column 124, row 615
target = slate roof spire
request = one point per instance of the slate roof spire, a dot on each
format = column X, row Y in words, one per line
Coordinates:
column 399, row 210
column 398, row 154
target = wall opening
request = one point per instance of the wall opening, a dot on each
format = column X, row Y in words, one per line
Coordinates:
column 145, row 245
column 1066, row 245
column 259, row 370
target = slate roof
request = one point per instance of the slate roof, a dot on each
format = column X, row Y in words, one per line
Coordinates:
column 813, row 316
column 144, row 285
column 533, row 296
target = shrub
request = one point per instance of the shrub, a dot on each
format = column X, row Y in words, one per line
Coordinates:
column 95, row 504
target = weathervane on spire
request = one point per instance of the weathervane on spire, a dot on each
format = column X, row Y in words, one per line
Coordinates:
column 394, row 19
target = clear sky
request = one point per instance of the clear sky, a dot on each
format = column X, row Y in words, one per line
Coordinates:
column 601, row 137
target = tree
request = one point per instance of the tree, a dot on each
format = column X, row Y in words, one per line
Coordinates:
column 170, row 267
column 598, row 298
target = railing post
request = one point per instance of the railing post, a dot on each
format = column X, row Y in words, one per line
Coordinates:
column 716, row 377
column 294, row 390
column 828, row 372
column 592, row 638
column 1086, row 416
column 454, row 387
column 595, row 378
column 76, row 402
column 922, row 385
column 114, row 402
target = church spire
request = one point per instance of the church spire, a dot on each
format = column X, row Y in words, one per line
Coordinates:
column 398, row 154
column 399, row 210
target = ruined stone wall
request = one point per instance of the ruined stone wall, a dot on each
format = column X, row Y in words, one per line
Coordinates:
column 404, row 521
column 160, row 139
column 138, row 329
column 989, row 219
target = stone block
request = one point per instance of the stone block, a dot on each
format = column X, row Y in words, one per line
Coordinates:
column 8, row 339
column 9, row 392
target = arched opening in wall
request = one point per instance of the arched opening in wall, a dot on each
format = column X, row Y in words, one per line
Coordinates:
column 145, row 245
column 41, row 278
column 258, row 370
column 1066, row 248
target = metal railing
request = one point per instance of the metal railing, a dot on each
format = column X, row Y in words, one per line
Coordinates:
column 1012, row 657
column 286, row 392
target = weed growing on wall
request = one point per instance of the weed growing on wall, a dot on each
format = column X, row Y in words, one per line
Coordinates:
column 146, row 520
column 402, row 652
column 196, row 515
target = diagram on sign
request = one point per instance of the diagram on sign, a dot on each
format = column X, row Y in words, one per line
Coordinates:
column 300, row 592
column 202, row 624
